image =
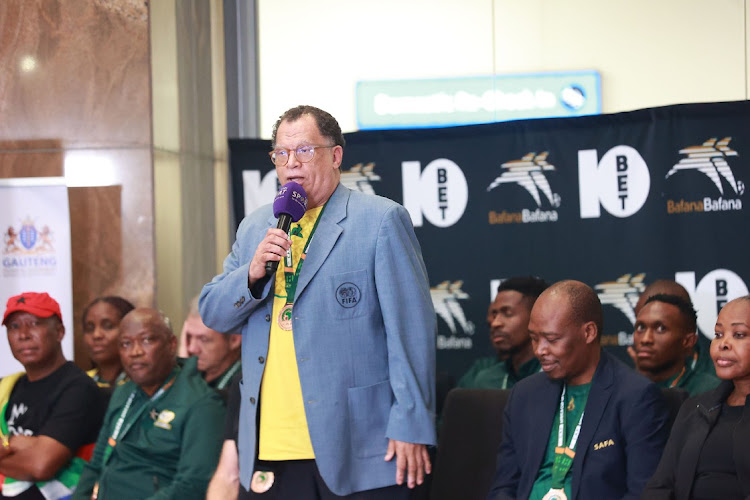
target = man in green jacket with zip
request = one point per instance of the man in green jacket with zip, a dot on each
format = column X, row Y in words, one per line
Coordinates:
column 508, row 319
column 665, row 329
column 163, row 429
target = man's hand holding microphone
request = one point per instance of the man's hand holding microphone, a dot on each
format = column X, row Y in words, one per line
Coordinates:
column 289, row 206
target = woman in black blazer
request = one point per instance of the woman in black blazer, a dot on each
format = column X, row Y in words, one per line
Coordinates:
column 708, row 452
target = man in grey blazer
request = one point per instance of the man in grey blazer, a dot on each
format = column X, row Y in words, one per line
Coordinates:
column 338, row 354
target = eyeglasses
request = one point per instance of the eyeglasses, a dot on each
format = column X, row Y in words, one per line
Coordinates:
column 280, row 156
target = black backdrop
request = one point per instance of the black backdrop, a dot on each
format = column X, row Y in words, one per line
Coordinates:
column 615, row 201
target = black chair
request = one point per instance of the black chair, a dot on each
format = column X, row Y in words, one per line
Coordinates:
column 444, row 383
column 470, row 436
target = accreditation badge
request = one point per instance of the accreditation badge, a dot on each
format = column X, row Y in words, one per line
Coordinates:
column 555, row 494
column 285, row 318
column 262, row 481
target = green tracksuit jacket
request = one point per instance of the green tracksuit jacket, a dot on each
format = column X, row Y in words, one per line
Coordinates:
column 170, row 450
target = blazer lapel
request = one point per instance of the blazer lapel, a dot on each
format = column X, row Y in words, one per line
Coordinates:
column 601, row 391
column 549, row 400
column 326, row 235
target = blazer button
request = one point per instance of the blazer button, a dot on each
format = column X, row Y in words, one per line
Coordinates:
column 252, row 401
column 261, row 359
column 268, row 317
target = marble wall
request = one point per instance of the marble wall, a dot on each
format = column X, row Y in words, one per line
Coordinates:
column 75, row 101
column 126, row 100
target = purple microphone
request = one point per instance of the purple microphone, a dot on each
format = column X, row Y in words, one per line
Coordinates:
column 289, row 206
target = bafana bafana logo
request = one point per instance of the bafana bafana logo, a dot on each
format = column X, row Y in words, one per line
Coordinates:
column 27, row 239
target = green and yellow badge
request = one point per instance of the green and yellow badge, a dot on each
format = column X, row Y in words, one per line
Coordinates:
column 164, row 419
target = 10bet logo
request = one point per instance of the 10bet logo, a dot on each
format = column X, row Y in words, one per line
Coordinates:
column 439, row 192
column 619, row 182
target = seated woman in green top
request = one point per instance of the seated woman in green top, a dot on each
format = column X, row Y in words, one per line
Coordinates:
column 101, row 321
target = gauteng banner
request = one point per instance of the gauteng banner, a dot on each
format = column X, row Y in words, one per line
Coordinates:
column 35, row 253
column 616, row 201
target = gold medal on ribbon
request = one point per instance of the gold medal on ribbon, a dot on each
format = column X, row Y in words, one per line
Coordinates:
column 262, row 481
column 285, row 318
column 555, row 494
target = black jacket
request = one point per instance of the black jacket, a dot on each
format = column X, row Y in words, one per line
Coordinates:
column 674, row 476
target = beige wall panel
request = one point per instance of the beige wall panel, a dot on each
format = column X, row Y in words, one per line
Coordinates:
column 166, row 110
column 650, row 53
column 341, row 42
column 169, row 236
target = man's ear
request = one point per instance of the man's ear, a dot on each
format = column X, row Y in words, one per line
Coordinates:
column 60, row 331
column 173, row 343
column 590, row 332
column 235, row 341
column 59, row 328
column 182, row 345
column 338, row 156
column 688, row 342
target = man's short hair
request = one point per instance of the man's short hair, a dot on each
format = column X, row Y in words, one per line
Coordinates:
column 584, row 303
column 686, row 308
column 154, row 318
column 327, row 124
column 528, row 286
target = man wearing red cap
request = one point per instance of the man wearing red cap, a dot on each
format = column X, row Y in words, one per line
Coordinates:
column 51, row 413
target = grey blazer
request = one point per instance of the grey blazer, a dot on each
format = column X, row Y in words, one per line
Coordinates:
column 364, row 335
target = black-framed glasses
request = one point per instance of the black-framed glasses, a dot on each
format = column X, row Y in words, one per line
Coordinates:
column 280, row 156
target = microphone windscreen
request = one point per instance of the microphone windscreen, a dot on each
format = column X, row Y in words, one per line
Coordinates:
column 291, row 199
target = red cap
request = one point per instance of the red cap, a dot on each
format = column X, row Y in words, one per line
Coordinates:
column 38, row 304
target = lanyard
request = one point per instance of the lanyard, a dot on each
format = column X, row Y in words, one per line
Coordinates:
column 292, row 276
column 119, row 431
column 564, row 456
column 677, row 380
column 228, row 375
